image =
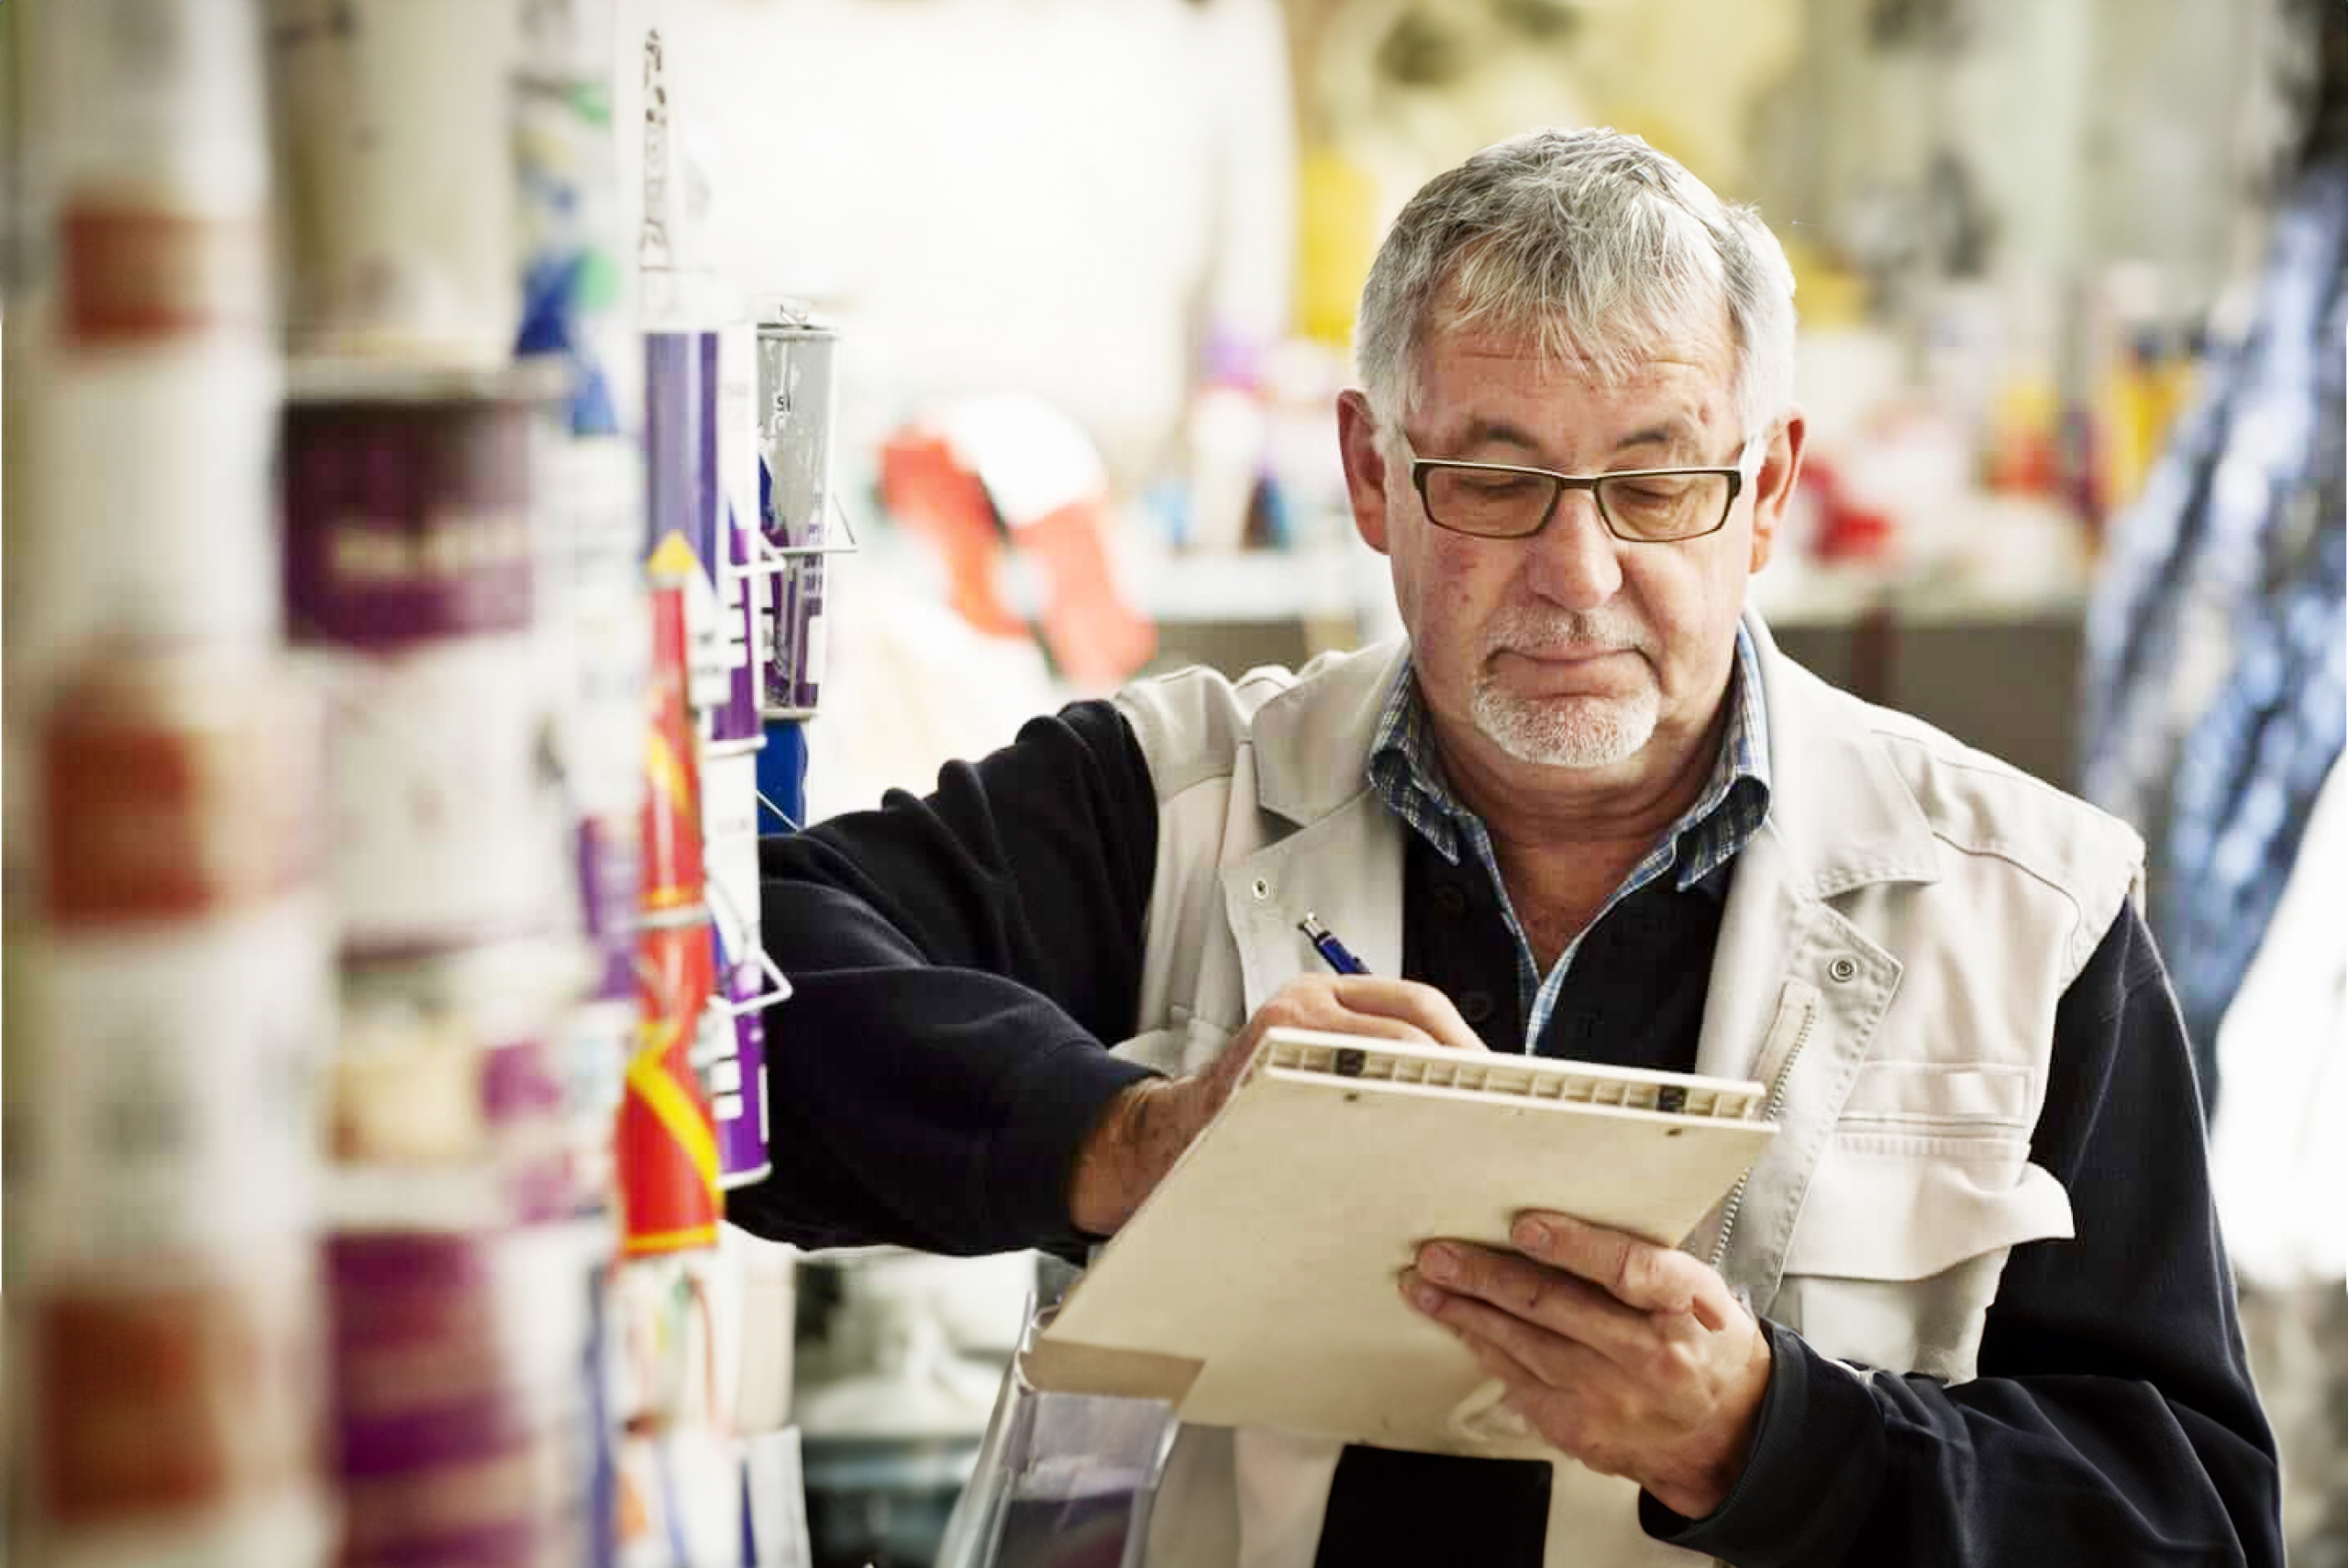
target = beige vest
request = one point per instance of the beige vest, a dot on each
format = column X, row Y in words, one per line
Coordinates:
column 1895, row 942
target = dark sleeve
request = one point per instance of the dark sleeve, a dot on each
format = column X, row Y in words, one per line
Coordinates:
column 2112, row 1419
column 955, row 963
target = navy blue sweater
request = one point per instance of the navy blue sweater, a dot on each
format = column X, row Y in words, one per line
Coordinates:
column 957, row 963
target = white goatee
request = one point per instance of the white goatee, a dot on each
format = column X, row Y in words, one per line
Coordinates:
column 1583, row 730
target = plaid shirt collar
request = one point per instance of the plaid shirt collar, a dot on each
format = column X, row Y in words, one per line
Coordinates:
column 1407, row 776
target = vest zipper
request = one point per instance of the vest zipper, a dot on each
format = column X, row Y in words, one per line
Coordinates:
column 1769, row 1110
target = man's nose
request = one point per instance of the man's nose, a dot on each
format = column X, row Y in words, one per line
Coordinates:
column 1575, row 561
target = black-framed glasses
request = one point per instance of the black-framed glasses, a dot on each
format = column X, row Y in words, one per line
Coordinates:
column 1641, row 506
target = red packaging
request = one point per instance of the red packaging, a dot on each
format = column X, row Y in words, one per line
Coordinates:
column 673, row 877
column 667, row 1143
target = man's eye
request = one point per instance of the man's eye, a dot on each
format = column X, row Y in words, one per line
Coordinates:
column 1498, row 486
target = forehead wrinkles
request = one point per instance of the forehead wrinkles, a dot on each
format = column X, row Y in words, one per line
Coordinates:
column 1677, row 388
column 1566, row 356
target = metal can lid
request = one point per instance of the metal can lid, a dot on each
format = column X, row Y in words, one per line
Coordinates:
column 790, row 314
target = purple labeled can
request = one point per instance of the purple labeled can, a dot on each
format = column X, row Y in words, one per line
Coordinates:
column 455, row 1426
column 610, row 870
column 408, row 504
column 737, row 1076
column 733, row 719
column 684, row 485
column 794, row 631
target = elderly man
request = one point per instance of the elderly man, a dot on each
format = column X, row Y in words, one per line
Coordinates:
column 1970, row 1308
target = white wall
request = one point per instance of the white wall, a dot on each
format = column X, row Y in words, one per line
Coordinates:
column 1049, row 195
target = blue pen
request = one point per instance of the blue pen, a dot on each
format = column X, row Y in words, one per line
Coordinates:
column 1326, row 944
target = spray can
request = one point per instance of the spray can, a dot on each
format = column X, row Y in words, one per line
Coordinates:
column 797, row 391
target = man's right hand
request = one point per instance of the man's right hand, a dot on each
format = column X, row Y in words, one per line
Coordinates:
column 1146, row 1128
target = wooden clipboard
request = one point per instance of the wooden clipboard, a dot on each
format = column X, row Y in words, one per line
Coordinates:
column 1256, row 1286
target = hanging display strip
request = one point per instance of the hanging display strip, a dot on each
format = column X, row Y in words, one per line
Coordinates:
column 674, row 875
column 737, row 1080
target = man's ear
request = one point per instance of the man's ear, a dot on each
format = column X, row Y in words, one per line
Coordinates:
column 1773, row 486
column 1364, row 468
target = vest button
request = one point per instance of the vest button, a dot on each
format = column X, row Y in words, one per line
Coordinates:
column 1843, row 970
column 1451, row 899
column 1262, row 890
column 1476, row 1006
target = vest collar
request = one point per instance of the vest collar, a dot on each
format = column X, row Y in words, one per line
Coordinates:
column 1838, row 808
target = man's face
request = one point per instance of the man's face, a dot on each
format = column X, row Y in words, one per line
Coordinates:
column 1572, row 648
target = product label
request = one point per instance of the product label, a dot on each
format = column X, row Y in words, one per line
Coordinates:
column 140, row 277
column 187, row 1389
column 173, row 791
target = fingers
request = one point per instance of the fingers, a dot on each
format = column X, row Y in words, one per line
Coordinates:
column 1517, row 1351
column 1420, row 1006
column 1637, row 1272
column 1549, row 1302
column 1372, row 1005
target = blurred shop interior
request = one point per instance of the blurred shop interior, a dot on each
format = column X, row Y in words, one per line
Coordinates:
column 1075, row 281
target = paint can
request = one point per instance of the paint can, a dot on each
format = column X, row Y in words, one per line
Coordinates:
column 395, row 128
column 460, row 1410
column 409, row 571
column 666, row 1150
column 594, row 633
column 146, row 166
column 171, row 1413
column 795, row 638
column 171, row 987
column 139, row 304
column 684, row 488
column 798, row 388
column 451, row 825
column 177, row 986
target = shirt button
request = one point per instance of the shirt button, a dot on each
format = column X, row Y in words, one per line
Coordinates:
column 1476, row 1006
column 1450, row 900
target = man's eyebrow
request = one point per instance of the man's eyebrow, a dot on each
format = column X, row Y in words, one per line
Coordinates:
column 1483, row 432
column 1679, row 430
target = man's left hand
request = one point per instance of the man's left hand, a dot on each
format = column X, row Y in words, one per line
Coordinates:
column 1635, row 1359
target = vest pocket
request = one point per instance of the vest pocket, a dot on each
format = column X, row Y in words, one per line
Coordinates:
column 1898, row 1250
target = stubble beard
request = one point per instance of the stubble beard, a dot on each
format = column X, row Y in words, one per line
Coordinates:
column 1580, row 730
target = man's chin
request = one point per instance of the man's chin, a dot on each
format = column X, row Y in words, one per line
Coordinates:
column 1577, row 732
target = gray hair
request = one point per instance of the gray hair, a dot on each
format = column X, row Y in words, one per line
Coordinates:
column 1595, row 241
